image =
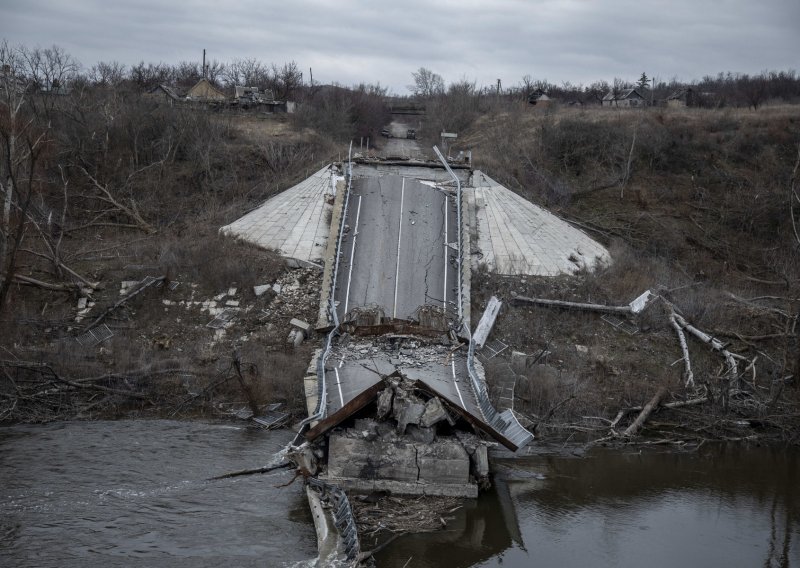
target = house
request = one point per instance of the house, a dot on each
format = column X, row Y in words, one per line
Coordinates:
column 203, row 90
column 624, row 98
column 683, row 98
column 539, row 98
column 164, row 94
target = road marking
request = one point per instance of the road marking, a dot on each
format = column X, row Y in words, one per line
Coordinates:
column 444, row 291
column 455, row 382
column 339, row 385
column 399, row 239
column 352, row 254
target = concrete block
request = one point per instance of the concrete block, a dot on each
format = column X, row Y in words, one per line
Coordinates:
column 362, row 459
column 304, row 327
column 443, row 462
column 420, row 434
column 434, row 413
column 384, row 403
column 261, row 290
column 295, row 337
column 407, row 411
column 480, row 461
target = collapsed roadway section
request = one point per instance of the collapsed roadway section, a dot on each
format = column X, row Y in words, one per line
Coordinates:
column 397, row 401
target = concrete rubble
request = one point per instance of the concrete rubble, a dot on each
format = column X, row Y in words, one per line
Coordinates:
column 407, row 447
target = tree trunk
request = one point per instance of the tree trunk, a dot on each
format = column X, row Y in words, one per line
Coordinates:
column 645, row 413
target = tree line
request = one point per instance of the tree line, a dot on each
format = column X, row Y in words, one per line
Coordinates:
column 721, row 90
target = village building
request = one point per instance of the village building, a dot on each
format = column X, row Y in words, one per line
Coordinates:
column 203, row 90
column 164, row 94
column 539, row 98
column 683, row 98
column 624, row 98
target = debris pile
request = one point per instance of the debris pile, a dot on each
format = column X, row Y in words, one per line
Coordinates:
column 409, row 447
column 380, row 512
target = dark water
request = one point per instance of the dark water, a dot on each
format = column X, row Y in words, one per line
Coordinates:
column 724, row 507
column 133, row 493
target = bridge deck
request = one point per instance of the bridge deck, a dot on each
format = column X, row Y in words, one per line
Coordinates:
column 395, row 253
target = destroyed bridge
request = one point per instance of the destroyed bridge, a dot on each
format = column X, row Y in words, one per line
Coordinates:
column 397, row 399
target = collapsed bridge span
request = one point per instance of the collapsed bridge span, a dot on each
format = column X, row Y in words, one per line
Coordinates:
column 397, row 401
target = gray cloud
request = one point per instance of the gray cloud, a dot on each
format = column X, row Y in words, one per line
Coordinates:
column 351, row 41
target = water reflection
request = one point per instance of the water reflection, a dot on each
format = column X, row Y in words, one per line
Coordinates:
column 722, row 506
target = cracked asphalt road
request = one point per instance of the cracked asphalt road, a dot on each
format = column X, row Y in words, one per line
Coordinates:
column 394, row 253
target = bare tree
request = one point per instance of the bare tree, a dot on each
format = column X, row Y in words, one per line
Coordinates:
column 22, row 141
column 286, row 80
column 426, row 83
column 754, row 89
column 107, row 73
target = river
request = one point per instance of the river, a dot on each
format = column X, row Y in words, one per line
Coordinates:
column 135, row 493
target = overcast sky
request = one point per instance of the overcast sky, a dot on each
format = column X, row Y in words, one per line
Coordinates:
column 352, row 41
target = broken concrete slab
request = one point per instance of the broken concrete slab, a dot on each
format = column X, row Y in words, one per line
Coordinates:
column 385, row 403
column 304, row 327
column 487, row 322
column 261, row 289
column 295, row 337
column 407, row 409
column 434, row 413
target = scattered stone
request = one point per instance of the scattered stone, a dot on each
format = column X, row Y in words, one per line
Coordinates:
column 384, row 403
column 407, row 409
column 302, row 326
column 231, row 291
column 582, row 349
column 434, row 413
column 261, row 289
column 295, row 337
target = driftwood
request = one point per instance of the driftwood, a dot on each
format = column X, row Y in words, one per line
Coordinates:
column 684, row 348
column 142, row 287
column 28, row 281
column 645, row 413
column 265, row 469
column 47, row 371
column 573, row 305
column 715, row 344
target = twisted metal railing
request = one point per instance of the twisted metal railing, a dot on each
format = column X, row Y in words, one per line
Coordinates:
column 343, row 517
column 502, row 422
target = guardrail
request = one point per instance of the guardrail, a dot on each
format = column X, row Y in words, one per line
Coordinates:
column 460, row 233
column 322, row 385
column 505, row 422
column 343, row 517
